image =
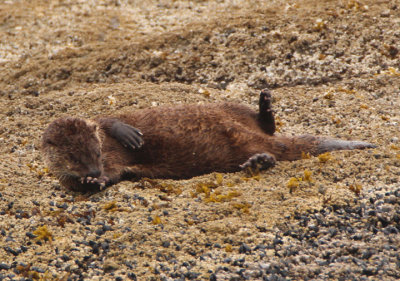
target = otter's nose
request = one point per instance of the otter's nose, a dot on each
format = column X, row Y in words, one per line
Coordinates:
column 94, row 174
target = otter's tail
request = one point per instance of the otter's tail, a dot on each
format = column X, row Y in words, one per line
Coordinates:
column 293, row 148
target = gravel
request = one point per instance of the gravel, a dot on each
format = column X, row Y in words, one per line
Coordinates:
column 334, row 71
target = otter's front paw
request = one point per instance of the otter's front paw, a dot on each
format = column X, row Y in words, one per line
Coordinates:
column 127, row 135
column 100, row 182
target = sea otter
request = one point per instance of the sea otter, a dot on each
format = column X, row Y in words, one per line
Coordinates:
column 175, row 142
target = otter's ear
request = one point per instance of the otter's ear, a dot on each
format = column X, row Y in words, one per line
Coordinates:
column 70, row 127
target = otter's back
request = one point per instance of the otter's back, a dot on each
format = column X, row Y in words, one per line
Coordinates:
column 194, row 139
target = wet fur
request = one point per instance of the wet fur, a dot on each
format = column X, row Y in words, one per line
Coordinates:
column 71, row 148
column 179, row 142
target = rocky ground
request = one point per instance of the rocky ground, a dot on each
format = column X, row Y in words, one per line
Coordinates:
column 333, row 67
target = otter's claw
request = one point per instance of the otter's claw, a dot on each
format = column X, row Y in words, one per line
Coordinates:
column 261, row 160
column 101, row 182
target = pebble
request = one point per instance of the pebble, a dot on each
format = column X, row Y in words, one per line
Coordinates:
column 37, row 269
column 244, row 248
column 99, row 231
column 385, row 13
column 65, row 258
column 340, row 242
column 12, row 251
column 62, row 206
column 4, row 266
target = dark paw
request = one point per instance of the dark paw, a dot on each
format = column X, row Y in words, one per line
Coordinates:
column 265, row 100
column 100, row 182
column 127, row 135
column 261, row 160
column 266, row 115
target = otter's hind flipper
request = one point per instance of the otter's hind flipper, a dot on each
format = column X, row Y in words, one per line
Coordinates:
column 260, row 160
column 266, row 115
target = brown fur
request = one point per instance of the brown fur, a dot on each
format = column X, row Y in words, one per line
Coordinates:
column 179, row 142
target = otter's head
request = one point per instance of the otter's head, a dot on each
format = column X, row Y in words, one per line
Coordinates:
column 72, row 149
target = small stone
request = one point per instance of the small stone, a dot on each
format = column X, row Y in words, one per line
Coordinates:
column 385, row 13
column 391, row 199
column 105, row 246
column 65, row 258
column 332, row 231
column 277, row 241
column 243, row 249
column 366, row 254
column 4, row 266
column 132, row 276
column 62, row 206
column 37, row 269
column 192, row 252
column 368, row 271
column 191, row 275
column 12, row 251
column 110, row 266
column 377, row 156
column 10, row 239
column 239, row 262
column 386, row 208
column 390, row 230
column 260, row 247
column 357, row 237
column 95, row 247
column 321, row 262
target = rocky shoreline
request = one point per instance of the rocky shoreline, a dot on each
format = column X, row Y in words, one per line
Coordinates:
column 333, row 69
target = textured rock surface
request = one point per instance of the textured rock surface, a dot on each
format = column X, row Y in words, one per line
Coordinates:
column 334, row 70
